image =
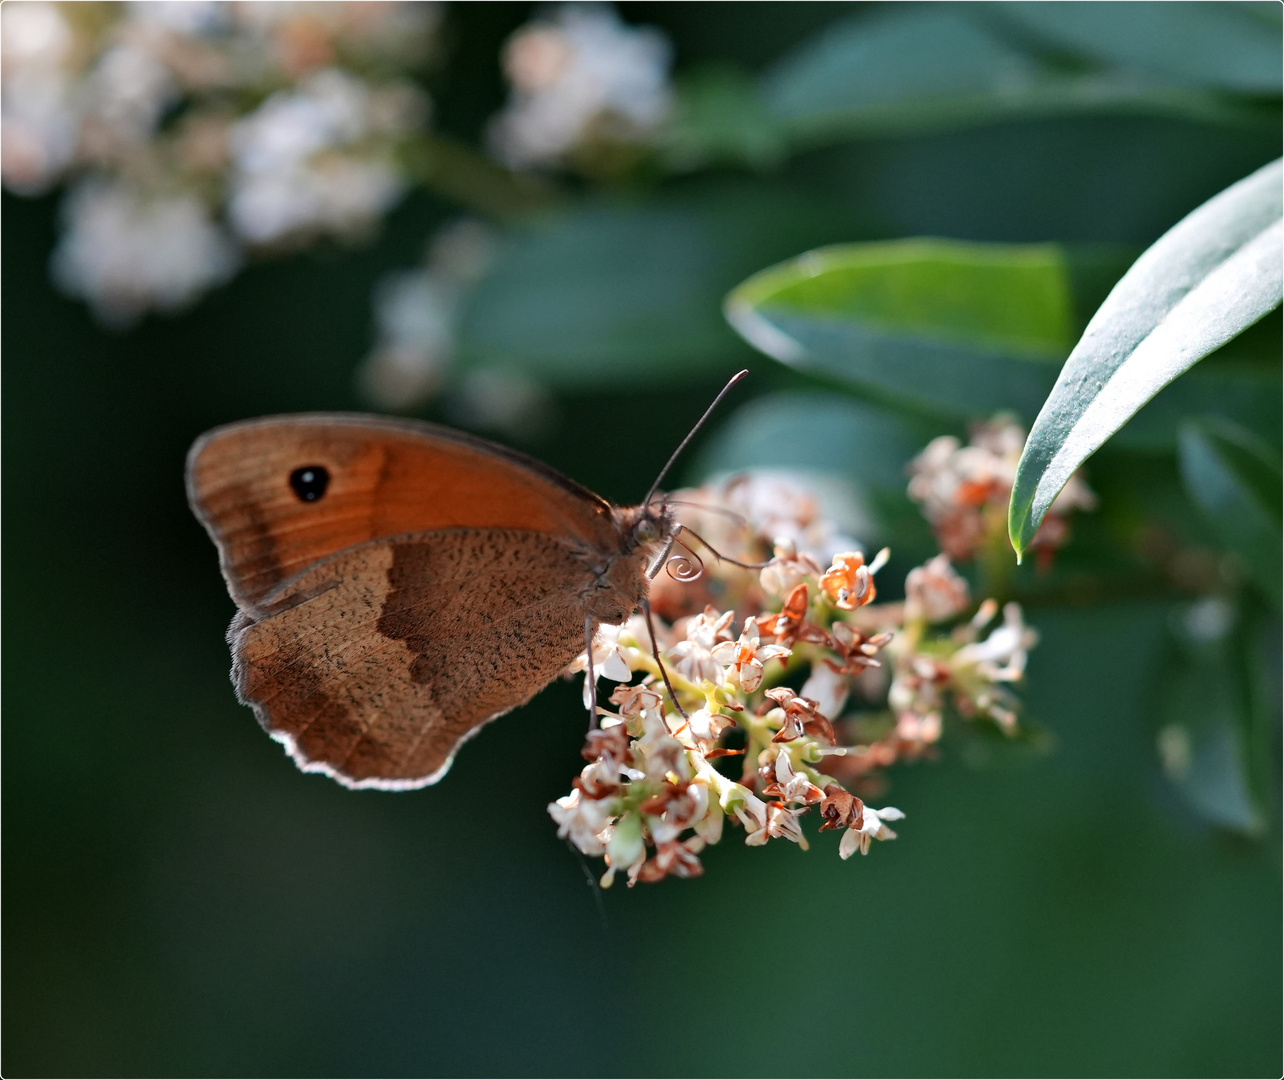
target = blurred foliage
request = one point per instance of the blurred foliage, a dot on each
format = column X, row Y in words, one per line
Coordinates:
column 179, row 899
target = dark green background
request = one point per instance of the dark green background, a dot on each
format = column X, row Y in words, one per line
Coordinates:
column 178, row 899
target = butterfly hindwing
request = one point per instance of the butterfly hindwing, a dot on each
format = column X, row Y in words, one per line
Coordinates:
column 374, row 665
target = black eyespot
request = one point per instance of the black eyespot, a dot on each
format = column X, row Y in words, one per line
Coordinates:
column 310, row 481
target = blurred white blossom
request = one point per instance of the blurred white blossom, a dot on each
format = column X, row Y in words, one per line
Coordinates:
column 125, row 253
column 299, row 164
column 581, row 77
column 800, row 512
column 282, row 119
column 935, row 592
column 964, row 491
column 37, row 117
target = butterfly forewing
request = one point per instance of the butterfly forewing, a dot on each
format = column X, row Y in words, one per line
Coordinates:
column 382, row 478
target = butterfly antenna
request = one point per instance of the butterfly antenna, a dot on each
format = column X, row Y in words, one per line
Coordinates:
column 691, row 434
column 718, row 555
column 739, row 519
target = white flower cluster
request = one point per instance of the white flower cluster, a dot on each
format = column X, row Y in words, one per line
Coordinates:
column 127, row 253
column 191, row 131
column 964, row 491
column 651, row 798
column 581, row 79
column 317, row 158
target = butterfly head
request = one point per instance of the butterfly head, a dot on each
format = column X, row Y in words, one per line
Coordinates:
column 648, row 527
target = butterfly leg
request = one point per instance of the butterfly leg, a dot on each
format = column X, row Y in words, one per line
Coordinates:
column 590, row 676
column 655, row 651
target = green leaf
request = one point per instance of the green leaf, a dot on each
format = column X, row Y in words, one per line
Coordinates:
column 940, row 326
column 1236, row 481
column 1240, row 382
column 1222, row 46
column 1214, row 273
column 720, row 119
column 613, row 293
column 918, row 67
column 819, row 432
column 1206, row 737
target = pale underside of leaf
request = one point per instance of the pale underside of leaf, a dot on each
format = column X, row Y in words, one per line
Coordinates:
column 1209, row 277
column 1205, row 319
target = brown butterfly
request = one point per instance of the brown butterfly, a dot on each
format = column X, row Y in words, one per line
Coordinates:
column 400, row 584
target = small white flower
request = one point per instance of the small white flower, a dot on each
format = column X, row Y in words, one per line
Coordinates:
column 750, row 809
column 327, row 110
column 291, row 172
column 626, row 845
column 747, row 656
column 129, row 88
column 709, row 827
column 935, row 592
column 782, row 823
column 34, row 34
column 38, row 127
column 873, row 827
column 580, row 820
column 1002, row 656
column 788, row 567
column 663, row 754
column 681, row 813
column 636, row 701
column 914, row 727
column 609, row 659
column 790, row 785
column 694, row 656
column 797, row 511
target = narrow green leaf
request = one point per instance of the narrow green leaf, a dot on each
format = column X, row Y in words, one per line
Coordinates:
column 941, row 326
column 1214, row 273
column 1236, row 481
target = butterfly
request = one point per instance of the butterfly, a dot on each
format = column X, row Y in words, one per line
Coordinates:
column 399, row 584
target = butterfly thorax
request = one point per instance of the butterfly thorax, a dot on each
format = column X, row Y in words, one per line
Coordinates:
column 621, row 582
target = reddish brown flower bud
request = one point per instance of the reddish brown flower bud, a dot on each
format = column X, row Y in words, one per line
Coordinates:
column 840, row 808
